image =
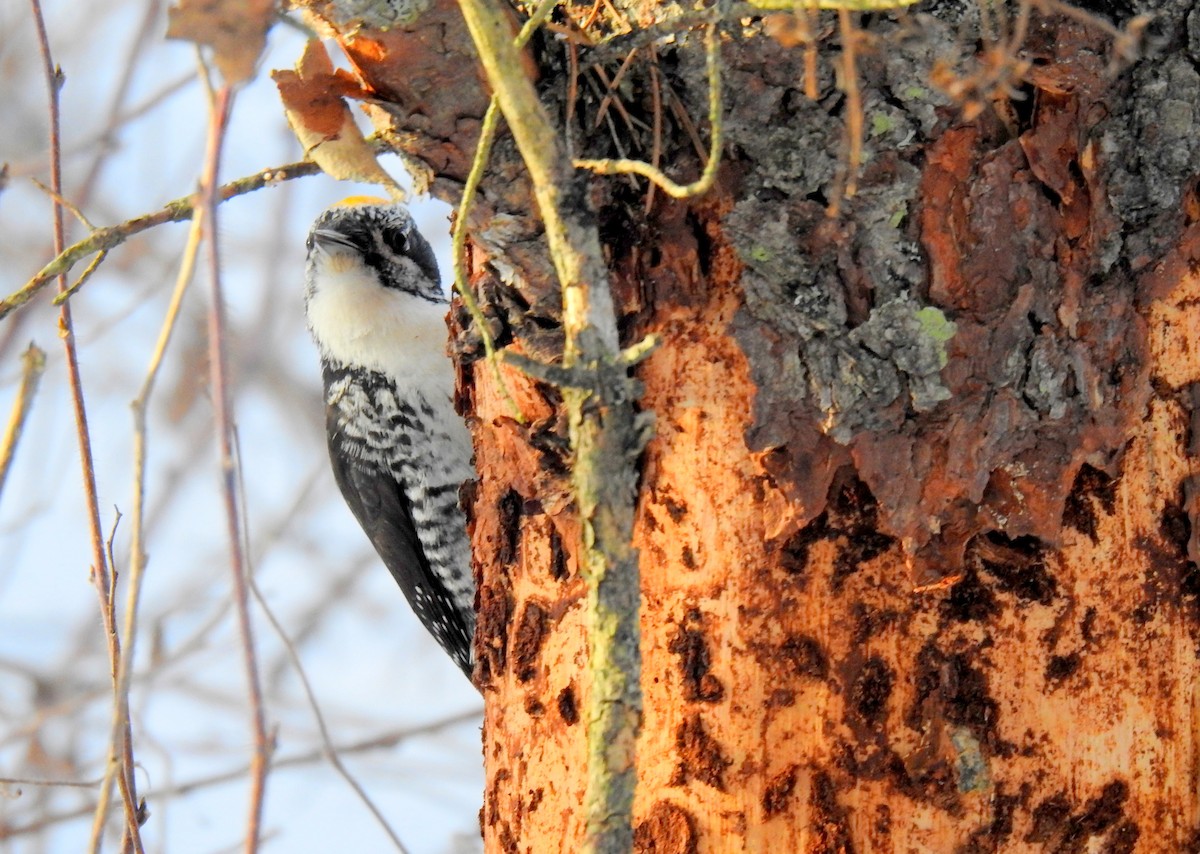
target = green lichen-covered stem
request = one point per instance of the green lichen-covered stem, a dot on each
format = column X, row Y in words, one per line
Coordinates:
column 604, row 489
column 570, row 225
column 599, row 398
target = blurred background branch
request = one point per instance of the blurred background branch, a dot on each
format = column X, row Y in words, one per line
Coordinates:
column 399, row 718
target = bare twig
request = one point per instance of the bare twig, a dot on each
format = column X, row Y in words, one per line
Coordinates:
column 220, row 105
column 65, row 202
column 176, row 211
column 854, row 111
column 51, row 784
column 808, row 20
column 91, row 268
column 328, row 749
column 137, row 559
column 656, row 133
column 610, row 94
column 144, row 36
column 102, row 139
column 100, row 569
column 458, row 235
column 647, row 170
column 383, row 741
column 33, row 364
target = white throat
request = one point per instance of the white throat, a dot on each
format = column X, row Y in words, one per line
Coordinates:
column 358, row 323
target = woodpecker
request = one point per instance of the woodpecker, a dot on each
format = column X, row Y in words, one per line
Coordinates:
column 399, row 451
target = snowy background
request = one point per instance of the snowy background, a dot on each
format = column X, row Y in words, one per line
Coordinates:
column 134, row 116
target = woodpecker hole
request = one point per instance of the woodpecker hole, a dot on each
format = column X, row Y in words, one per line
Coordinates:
column 1060, row 667
column 568, row 709
column 509, row 513
column 666, row 829
column 949, row 688
column 778, row 794
column 969, row 600
column 830, row 820
column 871, row 689
column 558, row 556
column 701, row 756
column 1018, row 565
column 695, row 659
column 1092, row 490
column 532, row 628
column 1053, row 819
column 804, row 657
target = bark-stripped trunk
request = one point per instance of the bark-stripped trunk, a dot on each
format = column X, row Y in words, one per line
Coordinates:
column 917, row 523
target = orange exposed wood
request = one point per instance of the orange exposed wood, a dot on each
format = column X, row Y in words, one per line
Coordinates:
column 795, row 702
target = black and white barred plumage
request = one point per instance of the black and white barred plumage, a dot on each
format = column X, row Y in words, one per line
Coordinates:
column 399, row 450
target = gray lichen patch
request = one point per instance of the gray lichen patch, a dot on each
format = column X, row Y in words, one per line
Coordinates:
column 353, row 15
column 1162, row 114
column 913, row 338
column 1148, row 142
column 851, row 372
column 960, row 331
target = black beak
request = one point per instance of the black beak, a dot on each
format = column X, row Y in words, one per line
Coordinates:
column 328, row 239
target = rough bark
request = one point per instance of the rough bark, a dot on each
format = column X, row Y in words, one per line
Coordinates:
column 918, row 521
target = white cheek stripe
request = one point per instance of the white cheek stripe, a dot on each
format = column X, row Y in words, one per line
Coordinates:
column 357, row 322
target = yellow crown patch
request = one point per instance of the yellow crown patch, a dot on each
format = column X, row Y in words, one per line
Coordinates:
column 355, row 201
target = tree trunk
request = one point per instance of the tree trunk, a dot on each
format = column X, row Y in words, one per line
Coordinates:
column 917, row 522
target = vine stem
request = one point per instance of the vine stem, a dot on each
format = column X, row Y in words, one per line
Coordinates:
column 605, row 438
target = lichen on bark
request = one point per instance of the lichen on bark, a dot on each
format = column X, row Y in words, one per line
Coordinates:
column 1004, row 232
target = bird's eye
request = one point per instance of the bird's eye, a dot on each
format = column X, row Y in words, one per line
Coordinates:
column 396, row 240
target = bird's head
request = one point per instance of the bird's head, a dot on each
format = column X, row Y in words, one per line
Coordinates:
column 376, row 237
column 373, row 296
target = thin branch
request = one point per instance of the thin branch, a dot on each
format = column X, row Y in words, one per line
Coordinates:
column 854, row 111
column 176, row 211
column 104, row 137
column 52, row 784
column 91, row 268
column 574, row 244
column 327, row 746
column 207, row 203
column 648, row 170
column 384, row 741
column 458, row 235
column 66, row 203
column 137, row 559
column 142, row 39
column 100, row 570
column 657, row 130
column 294, row 657
column 612, row 85
column 617, row 45
column 808, row 22
column 33, row 364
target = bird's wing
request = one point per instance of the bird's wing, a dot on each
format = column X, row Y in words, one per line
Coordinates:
column 378, row 501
